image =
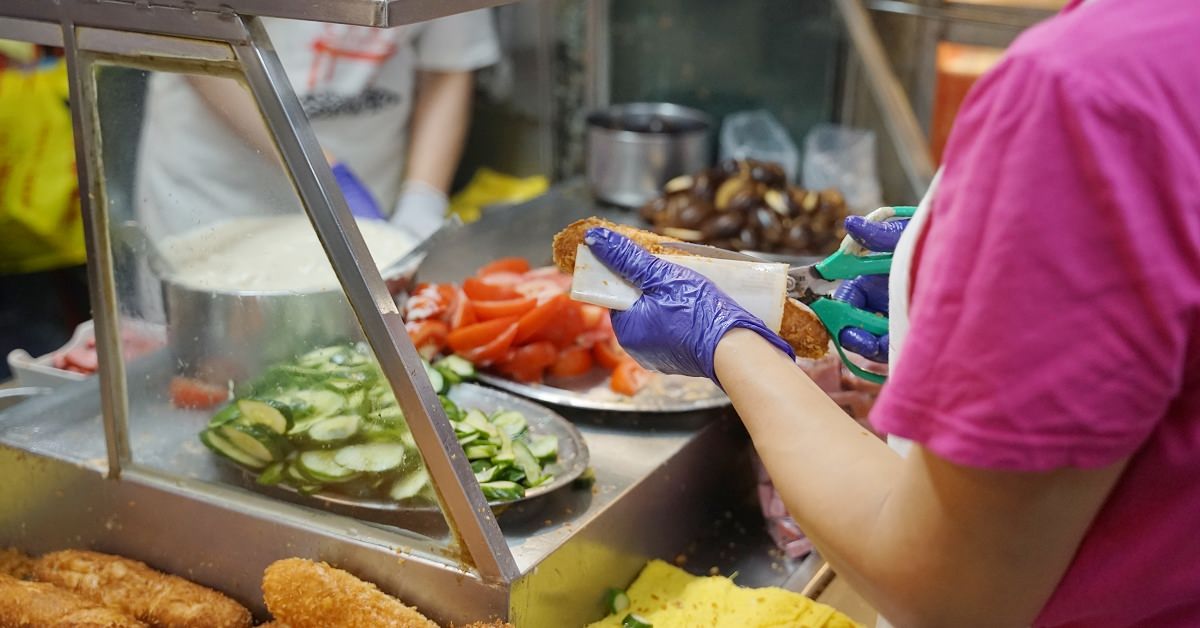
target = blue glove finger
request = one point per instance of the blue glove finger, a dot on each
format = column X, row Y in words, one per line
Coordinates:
column 866, row 292
column 623, row 256
column 358, row 197
column 864, row 343
column 876, row 236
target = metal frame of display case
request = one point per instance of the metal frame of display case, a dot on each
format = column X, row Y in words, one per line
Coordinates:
column 229, row 39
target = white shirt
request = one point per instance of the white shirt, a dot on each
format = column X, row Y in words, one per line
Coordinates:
column 356, row 85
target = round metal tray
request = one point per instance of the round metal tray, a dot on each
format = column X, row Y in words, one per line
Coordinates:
column 663, row 394
column 572, row 461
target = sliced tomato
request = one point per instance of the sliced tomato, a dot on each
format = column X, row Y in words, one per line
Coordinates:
column 609, row 354
column 592, row 315
column 496, row 349
column 629, row 377
column 427, row 301
column 504, row 265
column 480, row 290
column 480, row 334
column 463, row 313
column 539, row 317
column 573, row 361
column 565, row 327
column 502, row 279
column 429, row 337
column 487, row 310
column 541, row 289
column 195, row 394
column 529, row 363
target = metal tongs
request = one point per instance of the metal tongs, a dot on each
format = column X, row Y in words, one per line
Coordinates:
column 813, row 284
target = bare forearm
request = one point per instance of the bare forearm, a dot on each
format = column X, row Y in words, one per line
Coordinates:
column 235, row 106
column 440, row 121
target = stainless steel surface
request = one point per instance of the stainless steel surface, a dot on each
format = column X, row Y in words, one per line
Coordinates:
column 382, row 13
column 50, row 504
column 409, row 262
column 898, row 116
column 1016, row 19
column 572, row 451
column 98, row 241
column 598, row 88
column 24, row 391
column 663, row 394
column 629, row 168
column 705, row 250
column 466, row 510
column 34, row 32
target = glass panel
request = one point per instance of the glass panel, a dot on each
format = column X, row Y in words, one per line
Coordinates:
column 224, row 290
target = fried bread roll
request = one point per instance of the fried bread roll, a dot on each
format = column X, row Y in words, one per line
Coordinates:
column 305, row 594
column 801, row 328
column 160, row 600
column 16, row 563
column 42, row 605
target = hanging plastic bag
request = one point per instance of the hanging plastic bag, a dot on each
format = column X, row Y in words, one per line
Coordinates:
column 40, row 223
column 843, row 158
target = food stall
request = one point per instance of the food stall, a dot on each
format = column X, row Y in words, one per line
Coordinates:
column 178, row 454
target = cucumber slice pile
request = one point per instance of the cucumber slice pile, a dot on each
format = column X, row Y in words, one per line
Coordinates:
column 328, row 421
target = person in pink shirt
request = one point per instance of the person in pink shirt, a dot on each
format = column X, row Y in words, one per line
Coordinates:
column 1050, row 379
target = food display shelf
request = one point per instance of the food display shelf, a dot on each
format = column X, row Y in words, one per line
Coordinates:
column 677, row 487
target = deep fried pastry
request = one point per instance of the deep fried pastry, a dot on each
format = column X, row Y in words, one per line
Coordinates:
column 801, row 328
column 306, row 594
column 15, row 563
column 159, row 599
column 43, row 605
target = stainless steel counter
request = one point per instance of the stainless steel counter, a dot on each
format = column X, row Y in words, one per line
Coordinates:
column 677, row 487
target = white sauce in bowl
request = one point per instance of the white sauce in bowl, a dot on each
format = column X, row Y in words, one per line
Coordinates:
column 269, row 254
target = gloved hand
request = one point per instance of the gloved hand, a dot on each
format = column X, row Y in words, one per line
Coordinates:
column 421, row 209
column 869, row 292
column 681, row 316
column 358, row 197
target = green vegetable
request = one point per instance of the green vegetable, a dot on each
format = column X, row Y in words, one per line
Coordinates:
column 502, row 491
column 453, row 412
column 544, row 447
column 616, row 601
column 410, row 485
column 256, row 440
column 227, row 414
column 440, row 385
column 222, row 446
column 334, row 429
column 634, row 620
column 476, row 452
column 273, row 474
column 513, row 423
column 322, row 466
column 527, row 463
column 263, row 413
column 371, row 458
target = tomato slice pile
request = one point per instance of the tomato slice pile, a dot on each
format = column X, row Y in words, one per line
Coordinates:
column 518, row 321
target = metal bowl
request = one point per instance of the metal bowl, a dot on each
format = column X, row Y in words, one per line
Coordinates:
column 633, row 149
column 223, row 335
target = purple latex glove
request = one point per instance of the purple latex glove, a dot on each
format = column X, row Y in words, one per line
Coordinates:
column 869, row 292
column 358, row 197
column 681, row 316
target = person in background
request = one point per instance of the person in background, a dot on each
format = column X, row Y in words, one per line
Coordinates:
column 1050, row 378
column 390, row 107
column 43, row 280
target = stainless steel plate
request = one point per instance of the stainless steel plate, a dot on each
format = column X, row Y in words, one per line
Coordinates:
column 572, row 451
column 664, row 393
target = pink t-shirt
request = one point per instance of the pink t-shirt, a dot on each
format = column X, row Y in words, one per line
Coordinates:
column 1055, row 317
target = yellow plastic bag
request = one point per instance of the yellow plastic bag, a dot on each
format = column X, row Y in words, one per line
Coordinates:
column 489, row 187
column 40, row 223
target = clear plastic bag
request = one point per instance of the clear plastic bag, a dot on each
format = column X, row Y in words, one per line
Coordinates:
column 843, row 158
column 759, row 135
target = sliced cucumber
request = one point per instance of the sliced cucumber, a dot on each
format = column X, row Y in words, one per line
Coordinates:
column 505, row 452
column 527, row 463
column 321, row 465
column 477, row 420
column 261, row 413
column 273, row 474
column 410, row 485
column 323, row 356
column 544, row 447
column 510, row 473
column 616, row 601
column 487, row 474
column 222, row 446
column 334, row 429
column 457, row 365
column 256, row 440
column 371, row 457
column 502, row 491
column 227, row 414
column 390, row 415
column 480, row 452
column 633, row 620
column 354, row 401
column 467, row 439
column 324, row 403
column 344, row 385
column 511, row 421
column 440, row 385
column 453, row 412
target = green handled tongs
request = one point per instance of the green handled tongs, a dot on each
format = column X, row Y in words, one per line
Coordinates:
column 813, row 284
